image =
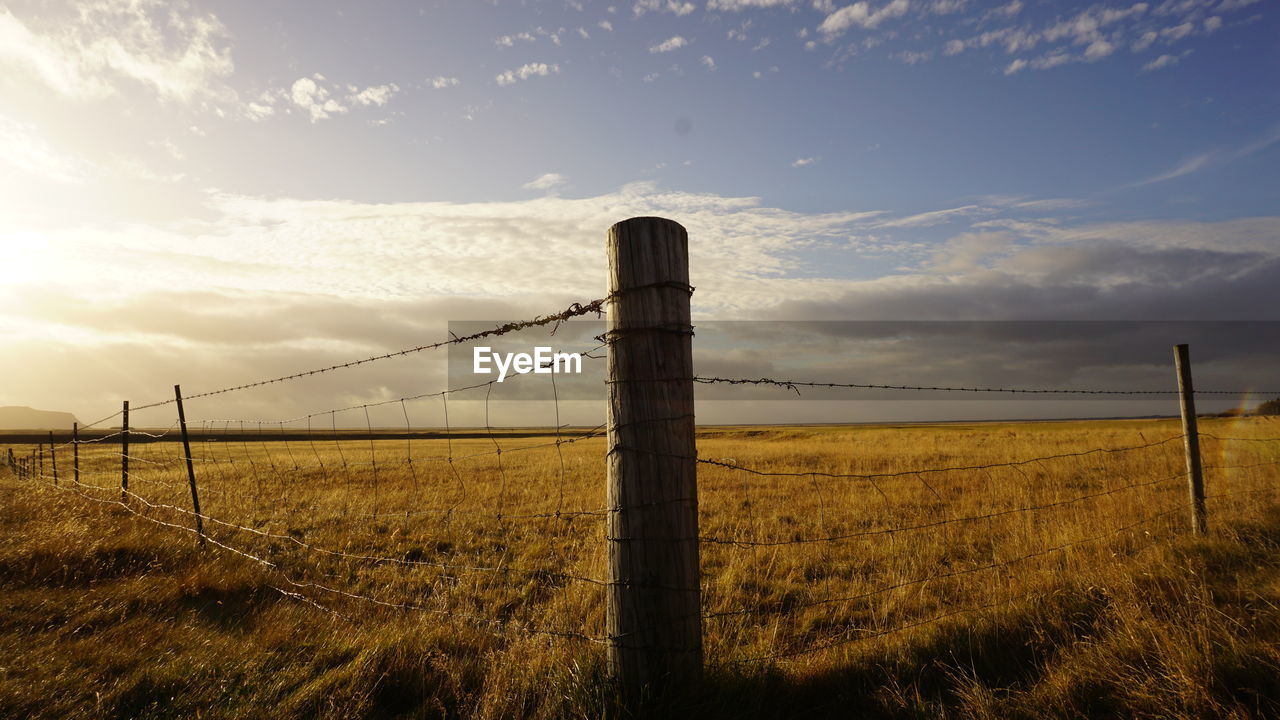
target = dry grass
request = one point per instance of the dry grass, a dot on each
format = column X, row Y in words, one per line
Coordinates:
column 1082, row 607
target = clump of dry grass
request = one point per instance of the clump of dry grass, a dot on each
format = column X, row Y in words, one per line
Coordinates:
column 1066, row 587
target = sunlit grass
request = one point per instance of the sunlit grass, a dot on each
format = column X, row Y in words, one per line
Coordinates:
column 1063, row 587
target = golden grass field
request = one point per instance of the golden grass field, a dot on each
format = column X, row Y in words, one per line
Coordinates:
column 1068, row 587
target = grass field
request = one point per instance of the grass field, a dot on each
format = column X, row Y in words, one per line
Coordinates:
column 1066, row 587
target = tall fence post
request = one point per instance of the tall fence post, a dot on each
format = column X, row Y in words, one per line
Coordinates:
column 191, row 471
column 53, row 458
column 75, row 452
column 653, row 613
column 124, row 454
column 1191, row 438
column 40, row 454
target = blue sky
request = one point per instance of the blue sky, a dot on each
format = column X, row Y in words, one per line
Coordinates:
column 242, row 165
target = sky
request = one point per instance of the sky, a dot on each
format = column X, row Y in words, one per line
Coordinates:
column 211, row 193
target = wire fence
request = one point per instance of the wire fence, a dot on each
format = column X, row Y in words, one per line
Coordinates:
column 812, row 539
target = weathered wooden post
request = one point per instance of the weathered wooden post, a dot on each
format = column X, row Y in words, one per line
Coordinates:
column 653, row 614
column 40, row 455
column 53, row 458
column 1191, row 438
column 191, row 471
column 124, row 454
column 75, row 452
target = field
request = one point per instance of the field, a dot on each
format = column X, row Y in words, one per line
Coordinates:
column 341, row 580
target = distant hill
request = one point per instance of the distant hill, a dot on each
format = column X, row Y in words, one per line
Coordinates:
column 25, row 418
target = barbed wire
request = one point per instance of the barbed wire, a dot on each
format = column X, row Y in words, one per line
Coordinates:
column 795, row 385
column 936, row 523
column 274, row 567
column 900, row 473
column 844, row 638
column 574, row 310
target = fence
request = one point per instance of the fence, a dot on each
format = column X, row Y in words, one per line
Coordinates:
column 501, row 548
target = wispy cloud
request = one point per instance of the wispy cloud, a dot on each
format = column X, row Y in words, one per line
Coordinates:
column 546, row 181
column 24, row 148
column 1161, row 62
column 861, row 14
column 675, row 7
column 526, row 71
column 802, row 162
column 180, row 55
column 377, row 95
column 933, row 217
column 734, row 5
column 1211, row 158
column 673, row 43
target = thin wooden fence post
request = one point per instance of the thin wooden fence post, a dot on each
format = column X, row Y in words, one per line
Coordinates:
column 40, row 455
column 53, row 458
column 124, row 454
column 1191, row 438
column 191, row 471
column 653, row 613
column 75, row 452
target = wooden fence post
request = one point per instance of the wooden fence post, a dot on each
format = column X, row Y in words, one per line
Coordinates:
column 653, row 613
column 53, row 458
column 75, row 452
column 191, row 471
column 124, row 454
column 1191, row 438
column 40, row 455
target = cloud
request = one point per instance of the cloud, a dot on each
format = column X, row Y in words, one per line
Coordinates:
column 1088, row 35
column 1160, row 62
column 1015, row 66
column 86, row 51
column 735, row 5
column 933, row 217
column 441, row 82
column 606, row 25
column 1145, row 41
column 308, row 94
column 912, row 57
column 23, row 147
column 861, row 15
column 377, row 95
column 269, row 286
column 709, row 62
column 673, row 43
column 261, row 108
column 802, row 162
column 1211, row 158
column 679, row 9
column 1177, row 32
column 546, row 181
column 526, row 71
column 510, row 40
